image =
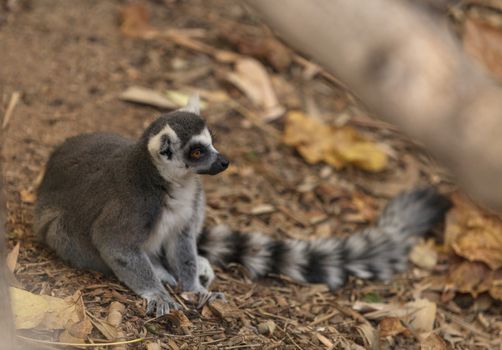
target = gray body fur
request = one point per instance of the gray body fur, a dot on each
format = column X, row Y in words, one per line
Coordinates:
column 136, row 209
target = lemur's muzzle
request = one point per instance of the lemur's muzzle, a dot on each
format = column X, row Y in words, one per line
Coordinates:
column 219, row 164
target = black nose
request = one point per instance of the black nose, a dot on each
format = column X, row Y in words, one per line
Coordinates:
column 224, row 162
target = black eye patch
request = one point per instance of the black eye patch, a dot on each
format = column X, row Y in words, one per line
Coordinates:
column 197, row 152
column 165, row 147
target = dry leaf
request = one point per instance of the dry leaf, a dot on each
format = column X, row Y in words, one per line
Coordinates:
column 483, row 41
column 12, row 258
column 267, row 328
column 109, row 331
column 422, row 316
column 145, row 96
column 66, row 337
column 419, row 314
column 432, row 342
column 424, row 255
column 252, row 78
column 180, row 99
column 337, row 146
column 476, row 278
column 153, row 346
column 115, row 313
column 42, row 311
column 80, row 329
column 391, row 326
column 369, row 335
column 474, row 235
column 27, row 196
column 134, row 21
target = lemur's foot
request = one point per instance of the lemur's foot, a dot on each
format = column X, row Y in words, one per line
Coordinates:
column 205, row 271
column 160, row 304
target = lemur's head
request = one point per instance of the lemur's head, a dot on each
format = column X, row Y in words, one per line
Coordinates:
column 180, row 143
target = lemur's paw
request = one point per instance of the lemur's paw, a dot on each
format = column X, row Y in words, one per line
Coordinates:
column 207, row 297
column 205, row 271
column 160, row 304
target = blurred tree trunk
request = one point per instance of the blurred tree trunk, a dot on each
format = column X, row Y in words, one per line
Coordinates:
column 6, row 323
column 405, row 66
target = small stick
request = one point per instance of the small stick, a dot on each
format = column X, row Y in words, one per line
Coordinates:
column 137, row 340
column 14, row 99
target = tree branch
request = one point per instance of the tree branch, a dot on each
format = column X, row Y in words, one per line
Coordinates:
column 407, row 69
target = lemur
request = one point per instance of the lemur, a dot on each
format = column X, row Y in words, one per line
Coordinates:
column 136, row 209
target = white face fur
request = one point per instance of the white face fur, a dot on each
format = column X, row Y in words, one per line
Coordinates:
column 175, row 159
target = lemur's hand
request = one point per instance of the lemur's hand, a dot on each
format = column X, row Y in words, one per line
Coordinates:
column 160, row 304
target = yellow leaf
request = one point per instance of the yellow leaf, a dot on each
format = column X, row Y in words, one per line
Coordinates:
column 337, row 146
column 41, row 311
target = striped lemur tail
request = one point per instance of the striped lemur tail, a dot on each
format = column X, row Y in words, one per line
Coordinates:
column 373, row 253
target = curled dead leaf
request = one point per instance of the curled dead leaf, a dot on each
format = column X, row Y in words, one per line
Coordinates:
column 337, row 146
column 473, row 234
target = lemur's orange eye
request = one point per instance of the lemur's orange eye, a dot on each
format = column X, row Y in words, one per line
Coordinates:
column 196, row 153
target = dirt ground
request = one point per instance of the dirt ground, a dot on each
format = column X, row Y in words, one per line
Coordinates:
column 70, row 62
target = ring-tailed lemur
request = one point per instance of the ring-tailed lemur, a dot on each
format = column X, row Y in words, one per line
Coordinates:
column 136, row 209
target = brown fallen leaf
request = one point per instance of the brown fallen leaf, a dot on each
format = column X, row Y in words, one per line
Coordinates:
column 66, row 337
column 12, row 258
column 391, row 326
column 475, row 278
column 80, row 329
column 134, row 21
column 432, row 341
column 115, row 313
column 146, row 96
column 337, row 146
column 42, row 311
column 473, row 234
column 252, row 78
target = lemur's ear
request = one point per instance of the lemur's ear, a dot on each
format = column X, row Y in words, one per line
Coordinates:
column 165, row 147
column 193, row 105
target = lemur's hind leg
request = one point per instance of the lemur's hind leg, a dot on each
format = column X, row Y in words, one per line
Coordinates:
column 205, row 271
column 50, row 228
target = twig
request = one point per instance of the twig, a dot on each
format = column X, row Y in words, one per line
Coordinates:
column 14, row 99
column 324, row 318
column 48, row 342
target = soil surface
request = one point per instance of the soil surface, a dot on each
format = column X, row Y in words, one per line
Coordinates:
column 70, row 62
